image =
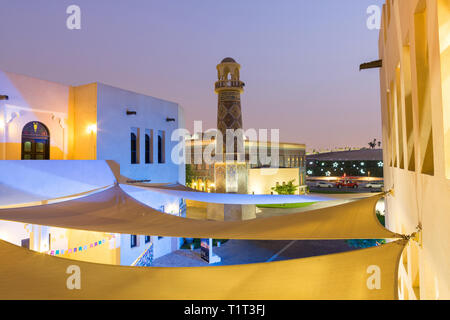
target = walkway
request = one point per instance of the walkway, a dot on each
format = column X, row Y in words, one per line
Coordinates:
column 252, row 251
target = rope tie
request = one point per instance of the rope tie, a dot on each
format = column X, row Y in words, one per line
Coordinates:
column 414, row 234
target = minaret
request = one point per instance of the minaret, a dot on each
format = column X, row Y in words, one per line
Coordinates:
column 229, row 89
column 231, row 174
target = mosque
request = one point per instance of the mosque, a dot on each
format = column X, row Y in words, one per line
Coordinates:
column 236, row 173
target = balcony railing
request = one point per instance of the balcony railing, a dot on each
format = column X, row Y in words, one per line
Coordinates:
column 229, row 84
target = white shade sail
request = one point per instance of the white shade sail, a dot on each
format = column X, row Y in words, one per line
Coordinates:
column 361, row 274
column 231, row 198
column 113, row 210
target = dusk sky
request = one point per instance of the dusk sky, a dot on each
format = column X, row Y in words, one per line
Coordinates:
column 299, row 59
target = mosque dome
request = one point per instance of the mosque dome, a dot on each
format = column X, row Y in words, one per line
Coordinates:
column 228, row 59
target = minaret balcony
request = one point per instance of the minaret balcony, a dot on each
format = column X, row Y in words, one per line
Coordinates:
column 231, row 84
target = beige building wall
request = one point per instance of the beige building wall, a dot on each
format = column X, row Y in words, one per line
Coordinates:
column 108, row 253
column 85, row 122
column 261, row 180
column 414, row 45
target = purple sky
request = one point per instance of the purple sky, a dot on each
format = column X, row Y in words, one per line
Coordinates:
column 299, row 58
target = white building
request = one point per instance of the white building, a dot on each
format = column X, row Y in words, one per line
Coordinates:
column 51, row 121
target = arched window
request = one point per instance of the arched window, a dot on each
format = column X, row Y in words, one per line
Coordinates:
column 133, row 241
column 159, row 149
column 133, row 148
column 147, row 148
column 35, row 141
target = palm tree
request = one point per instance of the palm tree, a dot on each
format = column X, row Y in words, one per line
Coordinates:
column 373, row 144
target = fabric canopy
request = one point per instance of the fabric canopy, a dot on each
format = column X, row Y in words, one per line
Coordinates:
column 165, row 186
column 181, row 191
column 115, row 211
column 361, row 274
column 53, row 200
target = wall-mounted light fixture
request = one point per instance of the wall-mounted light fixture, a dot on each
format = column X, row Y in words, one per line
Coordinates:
column 4, row 97
column 129, row 112
column 170, row 119
column 92, row 128
column 371, row 65
column 13, row 115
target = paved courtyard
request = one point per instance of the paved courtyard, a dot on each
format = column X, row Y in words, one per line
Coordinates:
column 252, row 251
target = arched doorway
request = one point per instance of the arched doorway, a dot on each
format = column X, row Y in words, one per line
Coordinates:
column 35, row 141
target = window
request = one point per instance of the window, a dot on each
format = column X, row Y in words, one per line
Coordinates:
column 134, row 145
column 133, row 241
column 424, row 92
column 399, row 114
column 394, row 124
column 148, row 146
column 444, row 42
column 25, row 243
column 133, row 148
column 147, row 239
column 410, row 160
column 161, row 146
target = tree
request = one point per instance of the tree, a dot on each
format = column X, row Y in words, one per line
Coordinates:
column 373, row 144
column 189, row 175
column 285, row 188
